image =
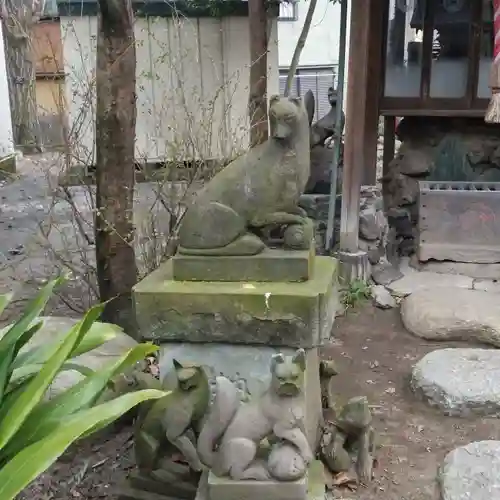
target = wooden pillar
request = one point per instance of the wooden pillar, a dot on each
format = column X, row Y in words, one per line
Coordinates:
column 389, row 141
column 370, row 138
column 360, row 151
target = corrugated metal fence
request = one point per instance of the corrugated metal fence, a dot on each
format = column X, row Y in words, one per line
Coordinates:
column 318, row 80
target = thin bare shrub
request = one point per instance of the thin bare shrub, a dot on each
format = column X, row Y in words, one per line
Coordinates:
column 190, row 124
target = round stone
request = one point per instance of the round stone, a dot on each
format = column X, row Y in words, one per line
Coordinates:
column 471, row 472
column 461, row 382
column 451, row 312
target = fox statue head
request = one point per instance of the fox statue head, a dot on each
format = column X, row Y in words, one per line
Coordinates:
column 287, row 373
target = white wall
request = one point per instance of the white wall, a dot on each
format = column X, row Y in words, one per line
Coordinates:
column 322, row 45
column 6, row 142
column 192, row 86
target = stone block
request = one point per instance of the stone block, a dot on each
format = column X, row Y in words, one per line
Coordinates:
column 228, row 489
column 276, row 314
column 270, row 265
column 249, row 368
column 311, row 487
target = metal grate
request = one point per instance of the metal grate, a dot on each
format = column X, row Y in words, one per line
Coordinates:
column 459, row 221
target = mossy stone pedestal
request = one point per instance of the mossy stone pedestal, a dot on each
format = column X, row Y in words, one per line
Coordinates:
column 258, row 313
column 233, row 328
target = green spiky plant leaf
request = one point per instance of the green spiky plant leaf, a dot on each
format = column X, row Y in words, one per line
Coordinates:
column 35, row 431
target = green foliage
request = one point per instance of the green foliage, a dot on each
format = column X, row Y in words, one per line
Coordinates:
column 35, row 431
column 357, row 291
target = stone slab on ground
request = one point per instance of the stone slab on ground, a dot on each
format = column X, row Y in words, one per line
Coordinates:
column 55, row 327
column 415, row 281
column 461, row 382
column 491, row 271
column 249, row 368
column 382, row 297
column 270, row 265
column 471, row 472
column 386, row 273
column 280, row 314
column 452, row 313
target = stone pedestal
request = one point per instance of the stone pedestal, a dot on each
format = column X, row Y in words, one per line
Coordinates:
column 174, row 486
column 268, row 313
column 310, row 487
column 233, row 328
column 270, row 265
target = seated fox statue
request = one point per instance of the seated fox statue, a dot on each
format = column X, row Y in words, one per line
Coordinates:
column 256, row 193
column 233, row 431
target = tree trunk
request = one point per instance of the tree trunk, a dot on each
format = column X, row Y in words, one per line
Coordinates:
column 115, row 138
column 299, row 47
column 257, row 105
column 18, row 18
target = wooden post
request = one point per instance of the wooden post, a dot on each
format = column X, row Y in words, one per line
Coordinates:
column 357, row 82
column 374, row 63
column 257, row 102
column 115, row 163
column 389, row 141
column 361, row 128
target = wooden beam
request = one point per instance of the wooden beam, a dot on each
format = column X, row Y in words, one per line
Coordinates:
column 375, row 68
column 359, row 82
column 389, row 141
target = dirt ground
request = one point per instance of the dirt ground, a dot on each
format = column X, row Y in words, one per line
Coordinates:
column 375, row 355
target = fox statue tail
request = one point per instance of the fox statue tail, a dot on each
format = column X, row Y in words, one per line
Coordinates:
column 222, row 411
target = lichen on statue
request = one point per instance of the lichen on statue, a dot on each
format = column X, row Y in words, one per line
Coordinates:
column 256, row 194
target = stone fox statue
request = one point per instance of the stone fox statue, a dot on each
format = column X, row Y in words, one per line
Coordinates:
column 257, row 190
column 236, row 429
column 169, row 421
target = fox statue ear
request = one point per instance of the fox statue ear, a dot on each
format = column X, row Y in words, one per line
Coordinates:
column 274, row 98
column 277, row 359
column 299, row 358
column 177, row 364
column 309, row 104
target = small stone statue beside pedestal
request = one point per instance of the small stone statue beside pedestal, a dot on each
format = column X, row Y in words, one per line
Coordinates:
column 350, row 439
column 166, row 432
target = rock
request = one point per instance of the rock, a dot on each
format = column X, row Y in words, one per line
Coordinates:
column 400, row 219
column 407, row 189
column 452, row 313
column 369, row 227
column 479, row 271
column 461, row 382
column 427, row 281
column 415, row 161
column 406, row 247
column 471, row 472
column 385, row 274
column 382, row 297
column 55, row 327
column 375, row 254
column 486, row 285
